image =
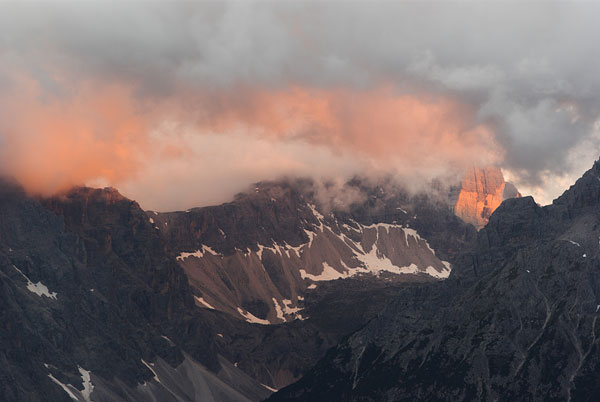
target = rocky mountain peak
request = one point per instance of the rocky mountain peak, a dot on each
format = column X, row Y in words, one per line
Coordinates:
column 584, row 193
column 482, row 190
column 84, row 206
column 106, row 195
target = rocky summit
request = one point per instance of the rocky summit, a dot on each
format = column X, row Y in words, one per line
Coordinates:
column 481, row 191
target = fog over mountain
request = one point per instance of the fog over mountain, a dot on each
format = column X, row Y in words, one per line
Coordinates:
column 169, row 100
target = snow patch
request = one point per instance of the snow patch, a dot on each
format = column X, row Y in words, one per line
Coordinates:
column 269, row 388
column 293, row 311
column 88, row 387
column 278, row 248
column 222, row 233
column 151, row 369
column 312, row 286
column 151, row 220
column 311, row 237
column 64, row 387
column 350, row 243
column 278, row 310
column 198, row 253
column 431, row 271
column 320, row 219
column 203, row 302
column 261, row 248
column 316, row 213
column 413, row 233
column 296, row 249
column 38, row 288
column 251, row 318
column 328, row 274
column 41, row 290
column 348, row 227
column 171, row 343
column 376, row 262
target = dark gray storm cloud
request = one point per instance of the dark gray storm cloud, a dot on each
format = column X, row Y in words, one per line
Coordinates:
column 528, row 69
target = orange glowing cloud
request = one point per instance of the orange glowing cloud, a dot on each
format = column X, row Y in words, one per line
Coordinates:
column 51, row 143
column 104, row 134
column 380, row 124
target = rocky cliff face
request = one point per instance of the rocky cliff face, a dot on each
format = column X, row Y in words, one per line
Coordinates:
column 256, row 257
column 516, row 320
column 93, row 308
column 482, row 190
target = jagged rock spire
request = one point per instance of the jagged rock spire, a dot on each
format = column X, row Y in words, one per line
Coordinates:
column 482, row 191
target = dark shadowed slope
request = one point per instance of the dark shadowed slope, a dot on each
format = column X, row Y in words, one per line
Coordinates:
column 90, row 303
column 517, row 319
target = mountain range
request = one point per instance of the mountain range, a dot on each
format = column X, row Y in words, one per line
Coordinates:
column 388, row 296
column 516, row 320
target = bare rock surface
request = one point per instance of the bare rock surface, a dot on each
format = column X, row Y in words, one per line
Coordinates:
column 482, row 190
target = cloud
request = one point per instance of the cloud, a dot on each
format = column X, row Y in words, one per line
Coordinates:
column 328, row 135
column 121, row 92
column 50, row 144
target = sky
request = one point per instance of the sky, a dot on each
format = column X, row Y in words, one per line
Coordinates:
column 181, row 104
